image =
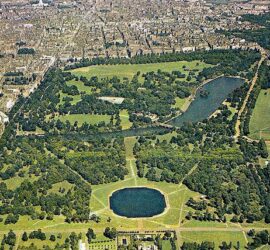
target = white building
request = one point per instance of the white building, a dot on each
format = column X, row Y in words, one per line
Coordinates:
column 3, row 117
column 82, row 246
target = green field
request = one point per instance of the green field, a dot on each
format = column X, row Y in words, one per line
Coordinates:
column 129, row 70
column 95, row 119
column 166, row 245
column 124, row 116
column 82, row 118
column 179, row 103
column 76, row 98
column 216, row 237
column 40, row 243
column 14, row 182
column 260, row 119
column 81, row 87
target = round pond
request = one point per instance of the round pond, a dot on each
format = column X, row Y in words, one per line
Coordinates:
column 137, row 202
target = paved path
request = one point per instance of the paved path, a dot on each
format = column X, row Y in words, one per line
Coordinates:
column 253, row 82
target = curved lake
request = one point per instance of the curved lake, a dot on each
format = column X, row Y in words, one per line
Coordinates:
column 137, row 202
column 202, row 107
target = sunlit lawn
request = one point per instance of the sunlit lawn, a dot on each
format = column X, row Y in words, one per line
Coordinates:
column 260, row 119
column 216, row 237
column 84, row 118
column 129, row 70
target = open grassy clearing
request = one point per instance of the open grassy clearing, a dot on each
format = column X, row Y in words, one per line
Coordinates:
column 82, row 118
column 268, row 146
column 76, row 98
column 61, row 185
column 124, row 116
column 16, row 181
column 94, row 119
column 129, row 70
column 174, row 194
column 40, row 243
column 38, row 131
column 260, row 120
column 216, row 237
column 129, row 144
column 179, row 103
column 81, row 87
column 166, row 245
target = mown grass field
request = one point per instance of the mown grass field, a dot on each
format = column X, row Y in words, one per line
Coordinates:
column 166, row 245
column 76, row 98
column 94, row 119
column 129, row 70
column 260, row 120
column 81, row 87
column 179, row 103
column 82, row 118
column 40, row 243
column 216, row 237
column 176, row 198
column 124, row 116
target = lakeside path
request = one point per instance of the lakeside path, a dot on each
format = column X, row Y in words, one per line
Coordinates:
column 192, row 97
column 253, row 82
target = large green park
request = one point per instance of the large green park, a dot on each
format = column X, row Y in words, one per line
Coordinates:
column 66, row 151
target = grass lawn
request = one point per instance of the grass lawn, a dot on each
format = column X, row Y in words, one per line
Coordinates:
column 167, row 137
column 216, row 237
column 129, row 144
column 166, row 245
column 76, row 98
column 95, row 119
column 81, row 118
column 63, row 184
column 268, row 146
column 16, row 181
column 176, row 196
column 232, row 109
column 129, row 70
column 81, row 87
column 38, row 131
column 40, row 243
column 179, row 102
column 124, row 116
column 260, row 120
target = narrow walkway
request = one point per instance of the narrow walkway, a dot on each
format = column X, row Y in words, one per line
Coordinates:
column 97, row 199
column 253, row 82
column 130, row 158
column 133, row 173
column 188, row 174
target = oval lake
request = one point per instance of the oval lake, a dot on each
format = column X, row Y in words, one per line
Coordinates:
column 137, row 202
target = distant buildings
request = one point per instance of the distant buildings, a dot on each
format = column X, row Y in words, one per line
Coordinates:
column 68, row 30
